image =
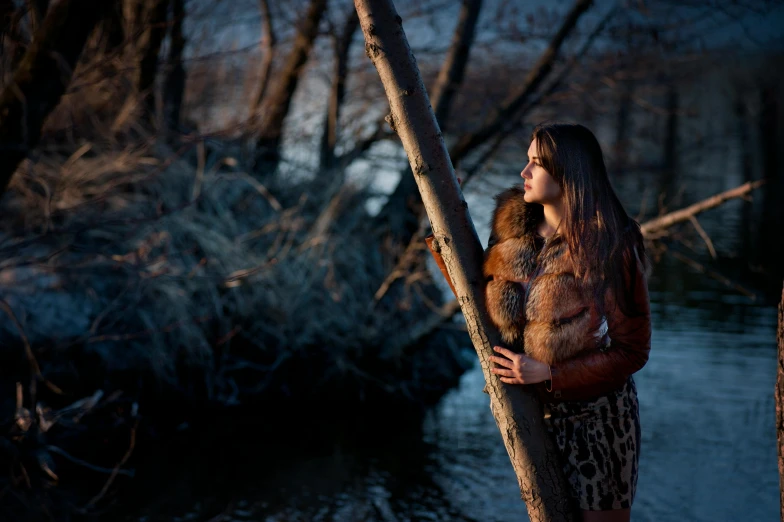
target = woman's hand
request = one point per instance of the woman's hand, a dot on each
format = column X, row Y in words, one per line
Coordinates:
column 517, row 368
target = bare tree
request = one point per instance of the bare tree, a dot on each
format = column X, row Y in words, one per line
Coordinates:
column 516, row 408
column 275, row 106
column 268, row 42
column 174, row 88
column 338, row 91
column 42, row 77
column 149, row 47
column 11, row 19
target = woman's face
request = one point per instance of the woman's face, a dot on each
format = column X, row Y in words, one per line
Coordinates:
column 540, row 187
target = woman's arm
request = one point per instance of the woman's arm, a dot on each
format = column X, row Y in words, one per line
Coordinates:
column 630, row 342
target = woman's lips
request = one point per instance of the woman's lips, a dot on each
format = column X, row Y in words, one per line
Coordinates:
column 526, row 186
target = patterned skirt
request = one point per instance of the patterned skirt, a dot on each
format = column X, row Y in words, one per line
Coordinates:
column 599, row 442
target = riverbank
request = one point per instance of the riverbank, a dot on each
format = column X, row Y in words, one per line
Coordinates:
column 147, row 288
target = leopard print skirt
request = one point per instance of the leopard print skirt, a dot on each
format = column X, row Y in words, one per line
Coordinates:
column 599, row 442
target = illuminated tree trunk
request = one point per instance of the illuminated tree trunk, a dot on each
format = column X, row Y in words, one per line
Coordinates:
column 516, row 409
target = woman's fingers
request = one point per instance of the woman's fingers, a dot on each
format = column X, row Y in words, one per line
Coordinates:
column 511, row 380
column 502, row 361
column 505, row 351
column 504, row 372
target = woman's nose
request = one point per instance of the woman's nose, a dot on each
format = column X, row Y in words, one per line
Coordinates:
column 526, row 173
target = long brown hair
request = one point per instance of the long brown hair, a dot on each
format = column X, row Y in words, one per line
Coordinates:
column 600, row 235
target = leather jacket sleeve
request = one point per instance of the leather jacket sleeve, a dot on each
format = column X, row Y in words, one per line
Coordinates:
column 630, row 343
column 439, row 262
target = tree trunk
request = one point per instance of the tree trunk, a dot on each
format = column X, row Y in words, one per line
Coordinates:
column 149, row 47
column 330, row 136
column 516, row 408
column 42, row 78
column 403, row 211
column 174, row 88
column 276, row 106
column 780, row 403
column 37, row 14
column 11, row 17
column 268, row 42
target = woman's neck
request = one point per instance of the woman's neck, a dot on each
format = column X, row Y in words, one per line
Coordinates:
column 552, row 218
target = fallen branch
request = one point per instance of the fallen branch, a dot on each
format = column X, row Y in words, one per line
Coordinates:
column 653, row 228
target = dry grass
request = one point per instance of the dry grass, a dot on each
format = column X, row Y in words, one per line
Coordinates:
column 157, row 261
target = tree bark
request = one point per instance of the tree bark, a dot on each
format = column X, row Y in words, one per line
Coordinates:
column 268, row 42
column 276, row 106
column 149, row 47
column 516, row 408
column 174, row 87
column 330, row 136
column 780, row 404
column 42, row 77
column 403, row 211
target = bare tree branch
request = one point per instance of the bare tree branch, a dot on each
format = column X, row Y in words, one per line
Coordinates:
column 496, row 120
column 268, row 42
column 276, row 106
column 337, row 92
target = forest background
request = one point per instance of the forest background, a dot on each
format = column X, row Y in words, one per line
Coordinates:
column 215, row 220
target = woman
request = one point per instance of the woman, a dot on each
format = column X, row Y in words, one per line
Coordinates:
column 566, row 286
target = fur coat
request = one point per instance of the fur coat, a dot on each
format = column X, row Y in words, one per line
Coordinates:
column 558, row 317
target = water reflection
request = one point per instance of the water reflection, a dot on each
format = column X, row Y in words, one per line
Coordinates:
column 709, row 447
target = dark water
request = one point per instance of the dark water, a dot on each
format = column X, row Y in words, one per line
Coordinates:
column 708, row 452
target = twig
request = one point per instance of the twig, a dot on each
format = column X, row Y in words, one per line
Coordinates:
column 703, row 235
column 34, row 368
column 84, row 463
column 116, row 471
column 711, row 273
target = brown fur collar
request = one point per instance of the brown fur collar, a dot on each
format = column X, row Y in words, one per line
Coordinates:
column 559, row 317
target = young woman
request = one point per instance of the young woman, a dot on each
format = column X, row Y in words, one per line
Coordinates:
column 566, row 286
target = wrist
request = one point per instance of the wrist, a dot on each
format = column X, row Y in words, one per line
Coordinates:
column 545, row 373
